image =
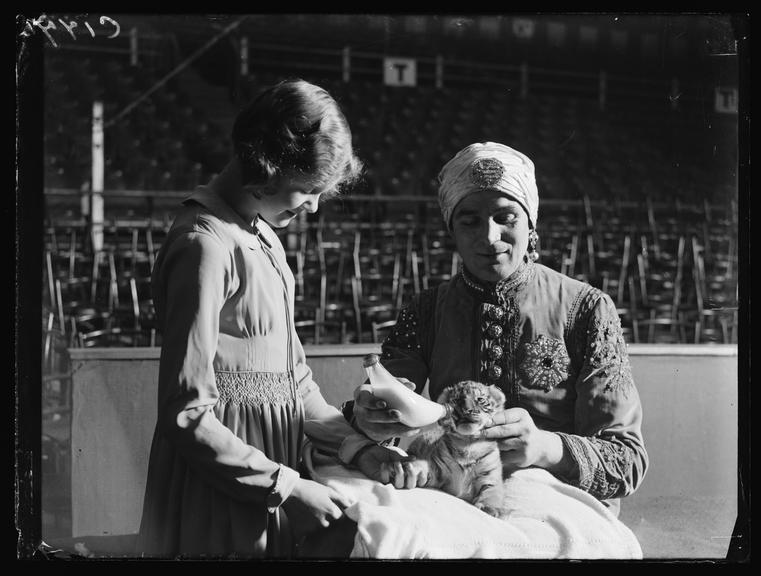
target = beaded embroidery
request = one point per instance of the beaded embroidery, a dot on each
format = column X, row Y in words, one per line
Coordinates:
column 617, row 458
column 486, row 172
column 500, row 327
column 544, row 363
column 607, row 354
column 603, row 465
column 254, row 388
column 494, row 331
column 581, row 307
column 493, row 360
column 617, row 462
column 504, row 289
column 404, row 333
column 494, row 372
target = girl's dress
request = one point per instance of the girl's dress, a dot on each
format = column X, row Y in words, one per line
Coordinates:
column 235, row 396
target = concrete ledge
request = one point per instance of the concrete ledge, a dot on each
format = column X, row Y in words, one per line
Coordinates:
column 684, row 508
column 354, row 350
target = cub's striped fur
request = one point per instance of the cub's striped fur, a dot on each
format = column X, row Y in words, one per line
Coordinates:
column 459, row 462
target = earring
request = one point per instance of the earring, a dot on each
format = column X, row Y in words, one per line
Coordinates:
column 533, row 246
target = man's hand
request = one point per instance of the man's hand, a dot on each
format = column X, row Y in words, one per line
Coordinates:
column 408, row 473
column 521, row 442
column 389, row 466
column 373, row 417
column 373, row 460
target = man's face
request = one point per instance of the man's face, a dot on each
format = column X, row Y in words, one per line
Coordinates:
column 491, row 234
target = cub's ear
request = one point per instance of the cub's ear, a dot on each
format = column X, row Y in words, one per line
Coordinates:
column 444, row 396
column 497, row 396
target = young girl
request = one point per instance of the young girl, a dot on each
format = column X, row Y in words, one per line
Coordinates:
column 236, row 398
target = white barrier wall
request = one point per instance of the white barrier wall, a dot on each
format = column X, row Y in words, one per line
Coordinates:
column 689, row 395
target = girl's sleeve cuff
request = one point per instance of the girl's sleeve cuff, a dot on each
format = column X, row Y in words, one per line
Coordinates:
column 285, row 481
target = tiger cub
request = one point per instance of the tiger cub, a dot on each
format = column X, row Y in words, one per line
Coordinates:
column 458, row 461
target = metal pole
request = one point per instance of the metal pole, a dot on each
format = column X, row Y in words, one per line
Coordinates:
column 603, row 88
column 244, row 56
column 346, row 67
column 439, row 71
column 133, row 46
column 524, row 80
column 96, row 187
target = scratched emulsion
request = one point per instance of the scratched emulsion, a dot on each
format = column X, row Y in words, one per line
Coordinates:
column 47, row 26
column 26, row 398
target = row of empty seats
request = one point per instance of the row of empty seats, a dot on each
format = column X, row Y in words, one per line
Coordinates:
column 644, row 259
column 671, row 267
column 404, row 136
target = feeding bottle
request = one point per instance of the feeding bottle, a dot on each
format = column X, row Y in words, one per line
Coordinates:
column 415, row 410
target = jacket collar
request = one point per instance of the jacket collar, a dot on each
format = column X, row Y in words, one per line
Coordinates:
column 502, row 290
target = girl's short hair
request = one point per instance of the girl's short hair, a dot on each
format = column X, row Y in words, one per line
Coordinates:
column 295, row 128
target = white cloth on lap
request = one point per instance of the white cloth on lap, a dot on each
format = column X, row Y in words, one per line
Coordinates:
column 548, row 519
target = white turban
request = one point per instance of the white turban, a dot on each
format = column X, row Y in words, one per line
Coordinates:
column 488, row 166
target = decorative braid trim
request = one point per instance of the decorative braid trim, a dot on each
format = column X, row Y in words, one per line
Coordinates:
column 594, row 477
column 617, row 460
column 504, row 288
column 584, row 458
column 254, row 388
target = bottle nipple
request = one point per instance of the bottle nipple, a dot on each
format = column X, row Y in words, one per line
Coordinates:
column 370, row 360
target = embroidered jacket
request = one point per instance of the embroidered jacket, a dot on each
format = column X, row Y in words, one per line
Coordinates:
column 553, row 345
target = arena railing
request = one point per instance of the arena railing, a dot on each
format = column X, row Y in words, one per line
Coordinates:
column 149, row 197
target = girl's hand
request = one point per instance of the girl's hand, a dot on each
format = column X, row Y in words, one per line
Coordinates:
column 312, row 506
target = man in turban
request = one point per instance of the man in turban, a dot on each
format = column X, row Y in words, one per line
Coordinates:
column 551, row 343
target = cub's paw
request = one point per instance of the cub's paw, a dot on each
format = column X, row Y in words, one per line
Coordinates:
column 495, row 509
